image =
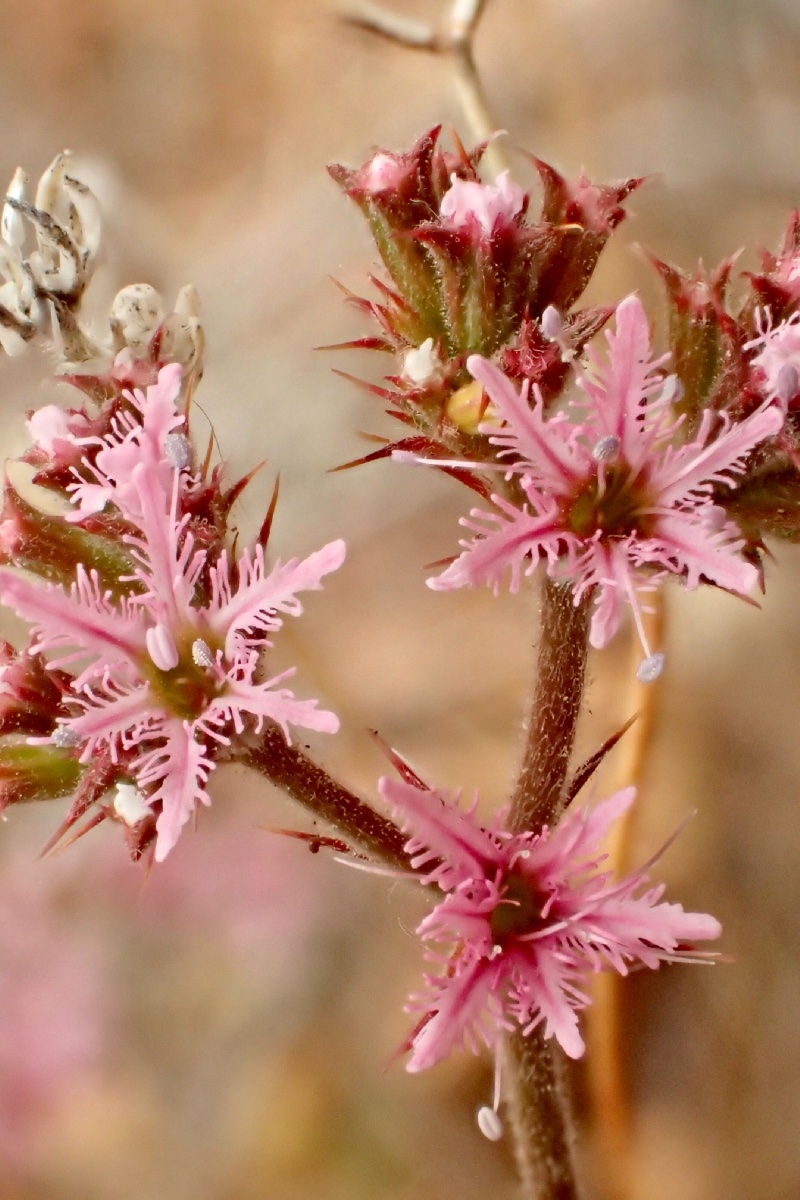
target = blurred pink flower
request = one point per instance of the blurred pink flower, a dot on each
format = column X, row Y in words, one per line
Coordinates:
column 168, row 672
column 467, row 204
column 777, row 360
column 614, row 503
column 252, row 891
column 52, row 1005
column 530, row 917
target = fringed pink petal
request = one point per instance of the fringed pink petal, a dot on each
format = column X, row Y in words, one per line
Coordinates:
column 116, row 717
column 82, row 620
column 540, row 986
column 255, row 604
column 460, row 1004
column 174, row 773
column 509, row 541
column 685, row 543
column 691, row 470
column 542, row 445
column 621, row 387
column 263, row 702
column 447, row 831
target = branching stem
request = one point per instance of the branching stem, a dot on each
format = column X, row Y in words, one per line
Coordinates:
column 302, row 779
column 454, row 39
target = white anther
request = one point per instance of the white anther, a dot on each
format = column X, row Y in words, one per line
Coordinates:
column 495, row 951
column 65, row 738
column 650, row 668
column 607, row 449
column 715, row 517
column 787, row 383
column 178, row 450
column 130, row 805
column 420, row 365
column 552, row 324
column 489, row 1123
column 161, row 647
column 202, row 655
column 672, row 390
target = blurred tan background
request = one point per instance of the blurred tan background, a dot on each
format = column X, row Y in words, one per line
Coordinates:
column 220, row 1031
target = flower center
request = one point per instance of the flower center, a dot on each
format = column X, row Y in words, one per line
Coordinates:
column 187, row 689
column 519, row 911
column 611, row 503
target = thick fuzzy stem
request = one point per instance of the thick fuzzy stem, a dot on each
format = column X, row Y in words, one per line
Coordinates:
column 290, row 770
column 537, row 1089
column 541, row 1120
column 538, row 796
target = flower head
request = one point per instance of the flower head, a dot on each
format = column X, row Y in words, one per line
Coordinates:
column 164, row 675
column 527, row 918
column 608, row 499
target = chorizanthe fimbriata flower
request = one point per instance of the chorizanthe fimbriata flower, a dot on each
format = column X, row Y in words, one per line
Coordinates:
column 614, row 500
column 525, row 920
column 166, row 675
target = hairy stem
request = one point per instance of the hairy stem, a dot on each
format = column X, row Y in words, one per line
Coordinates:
column 561, row 669
column 537, row 1097
column 302, row 779
column 537, row 1091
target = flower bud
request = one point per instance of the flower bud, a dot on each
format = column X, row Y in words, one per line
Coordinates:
column 776, row 287
column 702, row 337
column 130, row 805
column 136, row 313
column 30, row 694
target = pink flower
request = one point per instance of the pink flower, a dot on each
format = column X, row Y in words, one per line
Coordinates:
column 168, row 674
column 50, row 425
column 55, row 1011
column 777, row 361
column 613, row 502
column 467, row 204
column 148, row 447
column 528, row 918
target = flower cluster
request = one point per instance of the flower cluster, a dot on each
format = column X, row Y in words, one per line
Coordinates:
column 609, row 500
column 52, row 274
column 49, row 247
column 612, row 470
column 166, row 671
column 525, row 919
column 472, row 273
column 643, row 476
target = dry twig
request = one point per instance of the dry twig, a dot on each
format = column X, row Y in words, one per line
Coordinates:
column 454, row 39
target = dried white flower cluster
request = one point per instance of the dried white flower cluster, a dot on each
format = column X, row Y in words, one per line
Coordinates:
column 48, row 253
